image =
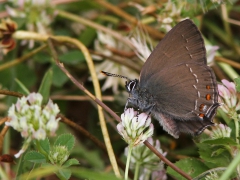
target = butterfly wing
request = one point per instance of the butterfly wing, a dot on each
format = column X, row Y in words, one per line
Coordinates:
column 183, row 91
column 184, row 87
column 183, row 43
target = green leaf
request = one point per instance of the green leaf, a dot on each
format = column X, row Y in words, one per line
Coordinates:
column 191, row 166
column 71, row 162
column 45, row 86
column 93, row 175
column 218, row 152
column 59, row 78
column 221, row 141
column 65, row 140
column 38, row 173
column 35, row 157
column 23, row 87
column 45, row 145
column 72, row 57
column 214, row 155
column 92, row 157
column 237, row 82
column 26, row 75
column 42, row 58
column 64, row 174
column 87, row 36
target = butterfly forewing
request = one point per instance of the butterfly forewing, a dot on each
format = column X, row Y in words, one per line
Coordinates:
column 183, row 91
column 183, row 87
column 183, row 43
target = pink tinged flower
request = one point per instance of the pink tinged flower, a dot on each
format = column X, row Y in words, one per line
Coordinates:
column 23, row 123
column 25, row 133
column 220, row 131
column 28, row 117
column 40, row 134
column 229, row 85
column 228, row 96
column 35, row 98
column 142, row 49
column 52, row 125
column 148, row 161
column 149, row 132
column 14, row 13
column 132, row 127
column 13, row 122
column 127, row 116
column 137, row 123
column 211, row 52
column 11, row 111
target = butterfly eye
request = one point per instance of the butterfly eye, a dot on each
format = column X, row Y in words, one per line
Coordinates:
column 131, row 85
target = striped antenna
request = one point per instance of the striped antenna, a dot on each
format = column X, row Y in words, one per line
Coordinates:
column 114, row 75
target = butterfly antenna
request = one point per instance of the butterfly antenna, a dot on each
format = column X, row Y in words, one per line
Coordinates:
column 114, row 75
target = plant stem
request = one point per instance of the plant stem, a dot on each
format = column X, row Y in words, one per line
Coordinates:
column 130, row 147
column 237, row 129
column 231, row 168
column 237, row 140
column 228, row 70
column 136, row 173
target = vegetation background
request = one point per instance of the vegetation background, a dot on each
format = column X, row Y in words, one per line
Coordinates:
column 118, row 35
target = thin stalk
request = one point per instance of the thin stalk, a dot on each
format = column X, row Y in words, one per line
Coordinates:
column 237, row 140
column 228, row 70
column 21, row 59
column 128, row 162
column 97, row 90
column 118, row 11
column 237, row 129
column 96, row 26
column 136, row 173
column 232, row 167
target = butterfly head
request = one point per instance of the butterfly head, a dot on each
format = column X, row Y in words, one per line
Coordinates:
column 131, row 85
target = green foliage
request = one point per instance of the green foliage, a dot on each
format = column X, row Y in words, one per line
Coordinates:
column 84, row 22
column 73, row 57
column 237, row 82
column 191, row 166
column 214, row 155
column 35, row 157
column 59, row 78
column 44, row 155
column 44, row 146
column 45, row 86
column 23, row 87
column 65, row 140
column 94, row 175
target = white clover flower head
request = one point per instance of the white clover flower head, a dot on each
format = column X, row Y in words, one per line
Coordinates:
column 211, row 52
column 228, row 98
column 212, row 176
column 40, row 134
column 58, row 154
column 159, row 173
column 144, row 155
column 31, row 120
column 38, row 15
column 133, row 128
column 139, row 41
column 220, row 131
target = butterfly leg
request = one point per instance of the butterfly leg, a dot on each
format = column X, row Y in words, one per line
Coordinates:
column 125, row 108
